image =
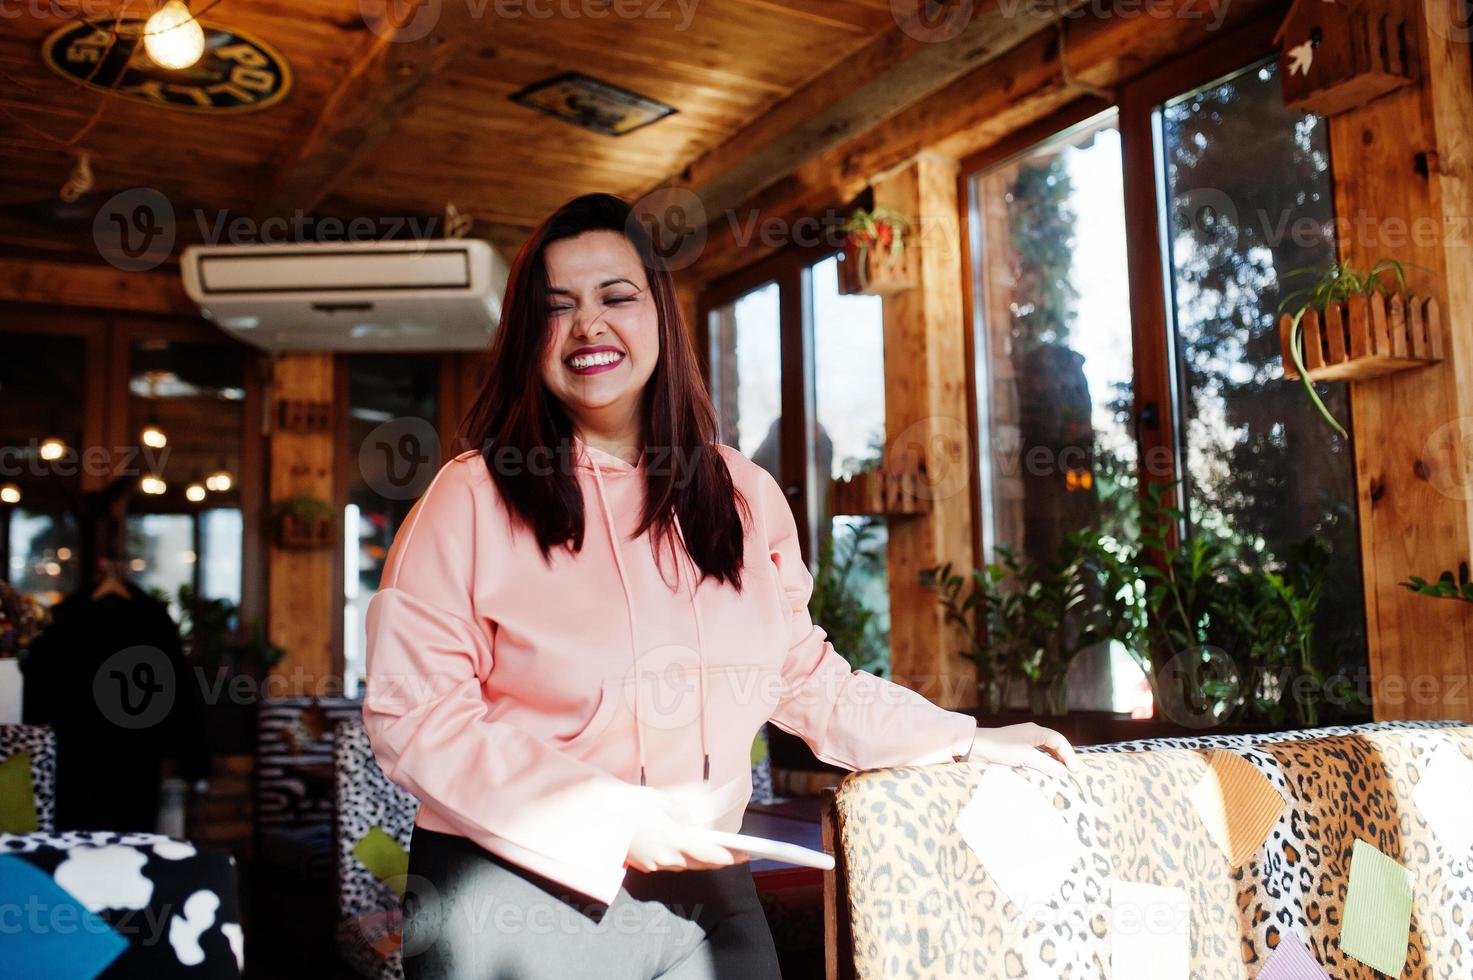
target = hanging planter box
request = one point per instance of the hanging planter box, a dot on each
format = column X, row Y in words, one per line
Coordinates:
column 1366, row 337
column 295, row 533
column 1337, row 56
column 880, row 493
column 875, row 272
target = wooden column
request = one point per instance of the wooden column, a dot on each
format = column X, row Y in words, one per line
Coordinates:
column 302, row 600
column 1404, row 191
column 926, row 415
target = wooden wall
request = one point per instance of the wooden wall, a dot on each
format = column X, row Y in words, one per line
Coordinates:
column 1404, row 191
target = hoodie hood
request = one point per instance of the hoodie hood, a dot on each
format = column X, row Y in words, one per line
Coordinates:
column 605, row 465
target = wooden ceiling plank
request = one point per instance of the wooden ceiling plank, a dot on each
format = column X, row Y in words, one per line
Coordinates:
column 364, row 107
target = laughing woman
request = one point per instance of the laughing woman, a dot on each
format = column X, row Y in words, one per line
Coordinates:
column 581, row 627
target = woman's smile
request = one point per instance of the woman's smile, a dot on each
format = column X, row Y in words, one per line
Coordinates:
column 592, row 360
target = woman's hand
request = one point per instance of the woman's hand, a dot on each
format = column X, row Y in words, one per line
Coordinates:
column 1024, row 745
column 669, row 840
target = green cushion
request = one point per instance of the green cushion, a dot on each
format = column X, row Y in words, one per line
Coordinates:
column 17, row 797
column 385, row 857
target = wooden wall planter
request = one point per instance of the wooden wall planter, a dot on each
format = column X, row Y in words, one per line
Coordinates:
column 882, row 275
column 880, row 493
column 294, row 533
column 1366, row 337
column 1356, row 51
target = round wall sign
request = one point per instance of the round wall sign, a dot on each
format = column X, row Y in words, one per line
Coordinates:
column 237, row 72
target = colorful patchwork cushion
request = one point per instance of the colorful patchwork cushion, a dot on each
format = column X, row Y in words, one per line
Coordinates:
column 134, row 904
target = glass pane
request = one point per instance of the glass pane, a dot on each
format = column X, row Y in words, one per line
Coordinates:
column 186, row 416
column 220, row 531
column 1053, row 321
column 849, row 391
column 393, row 406
column 746, row 374
column 1248, row 186
column 161, row 554
column 41, row 458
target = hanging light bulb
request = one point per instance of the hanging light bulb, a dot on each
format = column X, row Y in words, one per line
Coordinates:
column 52, row 449
column 153, row 436
column 9, row 494
column 195, row 492
column 172, row 37
column 153, row 485
column 220, row 480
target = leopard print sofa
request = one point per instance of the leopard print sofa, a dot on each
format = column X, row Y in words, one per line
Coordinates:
column 920, row 904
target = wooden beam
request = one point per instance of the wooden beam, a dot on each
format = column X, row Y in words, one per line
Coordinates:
column 1023, row 85
column 1403, row 191
column 93, row 286
column 926, row 418
column 897, row 69
column 393, row 64
column 303, row 603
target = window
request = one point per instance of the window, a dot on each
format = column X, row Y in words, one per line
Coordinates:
column 186, row 415
column 746, row 374
column 402, row 391
column 1247, row 183
column 797, row 375
column 1052, row 316
column 1073, row 339
column 41, row 445
column 849, row 394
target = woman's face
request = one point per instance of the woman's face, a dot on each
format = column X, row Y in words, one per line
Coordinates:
column 605, row 329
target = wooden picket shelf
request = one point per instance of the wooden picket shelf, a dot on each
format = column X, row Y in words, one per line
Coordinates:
column 1366, row 337
column 880, row 493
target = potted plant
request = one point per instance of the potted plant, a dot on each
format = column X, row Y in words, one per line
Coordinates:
column 302, row 522
column 836, row 603
column 222, row 647
column 1029, row 621
column 21, row 619
column 874, row 252
column 1353, row 325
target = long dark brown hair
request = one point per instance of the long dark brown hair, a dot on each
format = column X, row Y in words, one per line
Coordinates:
column 514, row 412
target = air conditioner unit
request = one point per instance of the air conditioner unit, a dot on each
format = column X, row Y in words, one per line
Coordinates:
column 350, row 296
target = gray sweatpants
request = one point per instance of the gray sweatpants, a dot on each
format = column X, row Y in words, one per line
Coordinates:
column 472, row 915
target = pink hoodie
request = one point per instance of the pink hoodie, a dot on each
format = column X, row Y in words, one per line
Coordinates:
column 500, row 689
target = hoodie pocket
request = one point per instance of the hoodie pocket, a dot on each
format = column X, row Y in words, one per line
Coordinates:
column 609, row 697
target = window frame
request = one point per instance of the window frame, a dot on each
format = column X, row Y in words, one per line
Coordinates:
column 798, row 422
column 1156, row 384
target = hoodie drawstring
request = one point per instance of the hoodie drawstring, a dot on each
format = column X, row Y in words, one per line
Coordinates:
column 695, row 608
column 633, row 641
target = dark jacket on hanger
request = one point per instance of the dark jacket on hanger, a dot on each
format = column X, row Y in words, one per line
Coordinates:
column 109, row 674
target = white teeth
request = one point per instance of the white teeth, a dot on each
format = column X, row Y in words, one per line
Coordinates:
column 589, row 360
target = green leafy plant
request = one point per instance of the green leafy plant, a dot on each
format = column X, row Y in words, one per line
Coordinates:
column 836, row 602
column 1254, row 625
column 1446, row 586
column 878, row 228
column 1028, row 621
column 217, row 640
column 1334, row 284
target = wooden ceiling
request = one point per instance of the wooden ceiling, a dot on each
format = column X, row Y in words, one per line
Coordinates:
column 783, row 107
column 377, row 126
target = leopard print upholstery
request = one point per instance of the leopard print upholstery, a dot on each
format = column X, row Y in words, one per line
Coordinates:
column 921, row 904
